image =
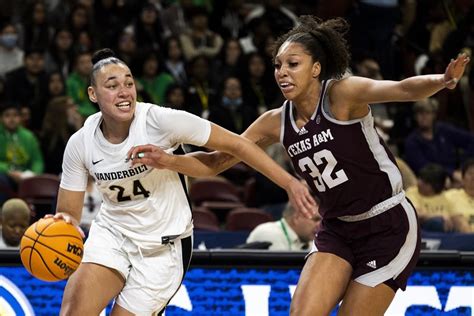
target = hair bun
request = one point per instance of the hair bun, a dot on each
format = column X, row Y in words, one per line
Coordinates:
column 102, row 54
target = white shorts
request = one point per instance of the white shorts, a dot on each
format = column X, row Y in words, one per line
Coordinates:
column 152, row 277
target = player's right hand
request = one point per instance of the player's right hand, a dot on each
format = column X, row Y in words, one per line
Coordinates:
column 150, row 155
column 68, row 219
column 302, row 199
column 455, row 70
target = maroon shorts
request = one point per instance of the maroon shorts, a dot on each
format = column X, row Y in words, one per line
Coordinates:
column 381, row 249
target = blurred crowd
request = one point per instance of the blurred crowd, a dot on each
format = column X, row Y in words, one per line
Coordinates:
column 213, row 59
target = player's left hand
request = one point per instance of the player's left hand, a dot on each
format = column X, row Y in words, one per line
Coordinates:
column 149, row 155
column 301, row 198
column 455, row 70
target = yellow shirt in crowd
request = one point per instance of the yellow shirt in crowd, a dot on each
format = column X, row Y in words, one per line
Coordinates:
column 436, row 205
column 462, row 203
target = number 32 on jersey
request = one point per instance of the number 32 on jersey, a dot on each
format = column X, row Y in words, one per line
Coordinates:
column 321, row 180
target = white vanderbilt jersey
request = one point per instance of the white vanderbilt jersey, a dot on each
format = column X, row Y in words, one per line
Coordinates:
column 142, row 203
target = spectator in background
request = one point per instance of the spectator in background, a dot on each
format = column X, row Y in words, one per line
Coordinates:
column 127, row 49
column 60, row 52
column 80, row 19
column 56, row 85
column 78, row 81
column 462, row 199
column 15, row 220
column 436, row 142
column 175, row 97
column 20, row 154
column 258, row 88
column 198, row 39
column 228, row 62
column 11, row 55
column 147, row 28
column 62, row 119
column 292, row 232
column 153, row 79
column 27, row 86
column 174, row 60
column 35, row 29
column 230, row 110
column 435, row 211
column 200, row 90
column 25, row 117
column 84, row 41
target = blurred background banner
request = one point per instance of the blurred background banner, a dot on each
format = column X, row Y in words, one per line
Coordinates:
column 256, row 283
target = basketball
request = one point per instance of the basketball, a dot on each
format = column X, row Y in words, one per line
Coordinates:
column 51, row 250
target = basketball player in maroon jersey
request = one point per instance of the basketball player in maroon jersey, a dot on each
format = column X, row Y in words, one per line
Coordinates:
column 369, row 239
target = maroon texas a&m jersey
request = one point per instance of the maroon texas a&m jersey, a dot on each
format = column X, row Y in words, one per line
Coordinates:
column 346, row 163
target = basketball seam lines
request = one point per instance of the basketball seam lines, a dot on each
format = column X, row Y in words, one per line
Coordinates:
column 62, row 254
column 45, row 264
column 34, row 242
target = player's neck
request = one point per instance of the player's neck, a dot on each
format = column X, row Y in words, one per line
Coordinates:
column 115, row 133
column 304, row 107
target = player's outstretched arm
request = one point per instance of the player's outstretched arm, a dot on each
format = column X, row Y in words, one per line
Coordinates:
column 414, row 88
column 196, row 164
column 243, row 149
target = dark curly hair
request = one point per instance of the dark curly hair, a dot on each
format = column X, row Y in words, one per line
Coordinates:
column 323, row 40
column 101, row 58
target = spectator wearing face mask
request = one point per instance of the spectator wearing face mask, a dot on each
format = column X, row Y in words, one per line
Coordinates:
column 11, row 55
column 230, row 110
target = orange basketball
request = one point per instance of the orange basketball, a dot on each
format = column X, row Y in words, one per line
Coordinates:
column 51, row 250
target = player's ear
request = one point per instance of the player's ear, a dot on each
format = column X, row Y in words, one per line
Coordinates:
column 316, row 69
column 91, row 93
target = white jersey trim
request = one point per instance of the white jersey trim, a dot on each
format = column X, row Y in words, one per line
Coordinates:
column 381, row 156
column 393, row 269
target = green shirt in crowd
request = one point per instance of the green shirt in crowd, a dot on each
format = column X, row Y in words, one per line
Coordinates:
column 156, row 88
column 77, row 89
column 20, row 151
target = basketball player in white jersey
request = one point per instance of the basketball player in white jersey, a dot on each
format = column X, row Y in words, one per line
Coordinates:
column 139, row 246
column 368, row 241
